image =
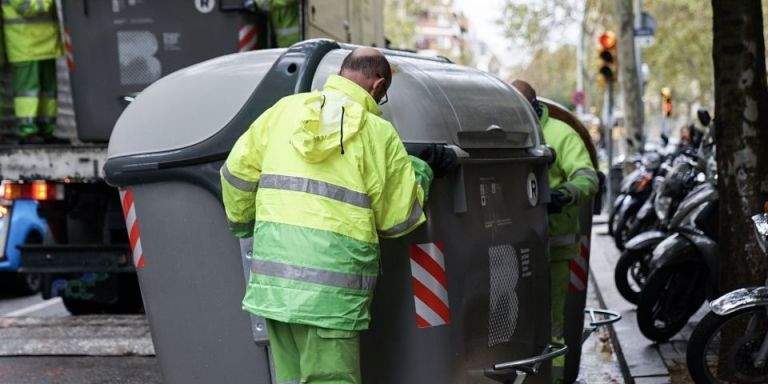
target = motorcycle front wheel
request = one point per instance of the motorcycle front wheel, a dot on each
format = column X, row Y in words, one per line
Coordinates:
column 668, row 299
column 723, row 349
column 631, row 272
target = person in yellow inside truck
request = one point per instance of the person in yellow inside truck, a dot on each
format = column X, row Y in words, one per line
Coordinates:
column 572, row 181
column 283, row 18
column 316, row 180
column 32, row 44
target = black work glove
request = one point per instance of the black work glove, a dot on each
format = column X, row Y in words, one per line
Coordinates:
column 441, row 159
column 557, row 200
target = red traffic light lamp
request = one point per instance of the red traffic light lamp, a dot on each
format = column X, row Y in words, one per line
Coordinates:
column 607, row 40
column 607, row 56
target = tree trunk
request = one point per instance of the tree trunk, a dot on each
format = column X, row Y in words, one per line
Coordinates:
column 628, row 71
column 741, row 116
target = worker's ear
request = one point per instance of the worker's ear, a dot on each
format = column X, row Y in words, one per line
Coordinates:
column 379, row 88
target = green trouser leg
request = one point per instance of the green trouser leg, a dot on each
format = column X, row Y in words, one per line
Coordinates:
column 314, row 355
column 26, row 97
column 47, row 110
column 559, row 274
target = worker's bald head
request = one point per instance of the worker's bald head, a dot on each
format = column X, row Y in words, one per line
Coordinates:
column 526, row 89
column 369, row 69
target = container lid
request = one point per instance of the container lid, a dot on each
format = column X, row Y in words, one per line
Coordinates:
column 190, row 105
column 437, row 101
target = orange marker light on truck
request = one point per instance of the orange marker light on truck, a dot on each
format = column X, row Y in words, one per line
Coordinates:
column 35, row 190
column 40, row 190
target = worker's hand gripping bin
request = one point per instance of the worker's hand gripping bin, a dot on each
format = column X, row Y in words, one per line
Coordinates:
column 463, row 299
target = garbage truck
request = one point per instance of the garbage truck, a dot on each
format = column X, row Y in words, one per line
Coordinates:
column 113, row 51
column 477, row 313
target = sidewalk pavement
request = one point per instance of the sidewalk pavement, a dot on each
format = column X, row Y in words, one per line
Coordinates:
column 642, row 361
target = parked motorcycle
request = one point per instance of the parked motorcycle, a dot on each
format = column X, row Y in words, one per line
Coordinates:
column 683, row 267
column 669, row 192
column 730, row 344
column 636, row 188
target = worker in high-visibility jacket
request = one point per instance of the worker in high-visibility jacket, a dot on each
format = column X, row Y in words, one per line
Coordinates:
column 316, row 180
column 283, row 17
column 32, row 44
column 572, row 182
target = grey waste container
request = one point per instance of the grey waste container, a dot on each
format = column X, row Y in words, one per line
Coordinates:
column 463, row 294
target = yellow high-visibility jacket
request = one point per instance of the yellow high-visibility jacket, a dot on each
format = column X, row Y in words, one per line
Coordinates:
column 573, row 174
column 317, row 179
column 31, row 30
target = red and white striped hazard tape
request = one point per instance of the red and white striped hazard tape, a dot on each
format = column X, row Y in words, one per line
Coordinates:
column 247, row 37
column 68, row 51
column 579, row 267
column 129, row 211
column 430, row 284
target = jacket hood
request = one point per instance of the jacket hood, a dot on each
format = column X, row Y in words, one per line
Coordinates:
column 331, row 118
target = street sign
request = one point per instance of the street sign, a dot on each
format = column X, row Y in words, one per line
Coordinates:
column 578, row 98
column 644, row 41
column 647, row 26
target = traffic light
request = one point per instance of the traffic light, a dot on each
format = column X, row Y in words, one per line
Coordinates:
column 666, row 99
column 607, row 58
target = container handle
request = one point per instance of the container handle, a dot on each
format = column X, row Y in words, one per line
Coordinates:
column 531, row 365
column 608, row 317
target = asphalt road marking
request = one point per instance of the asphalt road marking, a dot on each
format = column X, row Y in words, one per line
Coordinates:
column 34, row 307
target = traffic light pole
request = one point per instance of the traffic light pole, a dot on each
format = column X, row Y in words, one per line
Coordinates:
column 608, row 122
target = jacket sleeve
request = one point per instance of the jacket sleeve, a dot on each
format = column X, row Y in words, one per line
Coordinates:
column 32, row 8
column 399, row 210
column 240, row 177
column 581, row 177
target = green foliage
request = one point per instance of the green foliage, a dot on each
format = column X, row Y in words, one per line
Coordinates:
column 399, row 22
column 681, row 56
column 534, row 24
column 551, row 73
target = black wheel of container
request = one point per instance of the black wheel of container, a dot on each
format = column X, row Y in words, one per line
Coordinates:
column 631, row 273
column 747, row 329
column 667, row 301
column 84, row 307
column 127, row 299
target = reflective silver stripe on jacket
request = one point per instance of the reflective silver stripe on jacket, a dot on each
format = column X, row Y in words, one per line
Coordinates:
column 564, row 240
column 280, row 32
column 313, row 275
column 241, row 226
column 243, row 185
column 585, row 172
column 416, row 212
column 30, row 20
column 25, row 120
column 575, row 193
column 34, row 94
column 315, row 187
column 47, row 95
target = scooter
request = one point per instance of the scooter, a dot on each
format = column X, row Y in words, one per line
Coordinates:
column 683, row 268
column 730, row 344
column 669, row 192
